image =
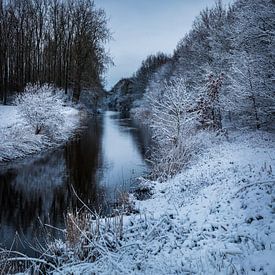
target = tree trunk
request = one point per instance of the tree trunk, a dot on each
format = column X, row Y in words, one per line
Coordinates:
column 77, row 88
column 256, row 112
column 254, row 101
column 5, row 90
column 76, row 92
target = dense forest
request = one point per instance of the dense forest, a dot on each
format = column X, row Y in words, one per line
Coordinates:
column 52, row 41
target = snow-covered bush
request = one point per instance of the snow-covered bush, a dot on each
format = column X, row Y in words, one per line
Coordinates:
column 41, row 107
column 173, row 121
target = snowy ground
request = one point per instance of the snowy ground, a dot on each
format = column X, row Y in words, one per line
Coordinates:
column 17, row 138
column 216, row 217
column 223, row 210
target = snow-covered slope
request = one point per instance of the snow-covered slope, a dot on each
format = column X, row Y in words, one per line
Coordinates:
column 216, row 217
column 223, row 209
column 17, row 138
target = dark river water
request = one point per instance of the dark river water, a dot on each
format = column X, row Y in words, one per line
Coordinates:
column 100, row 163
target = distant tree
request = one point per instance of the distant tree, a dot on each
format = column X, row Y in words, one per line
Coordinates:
column 127, row 91
column 122, row 95
column 148, row 67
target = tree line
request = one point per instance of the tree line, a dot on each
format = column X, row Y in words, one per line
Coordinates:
column 229, row 53
column 52, row 41
column 128, row 90
column 220, row 76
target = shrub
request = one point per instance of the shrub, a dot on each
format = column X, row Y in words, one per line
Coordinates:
column 173, row 120
column 41, row 107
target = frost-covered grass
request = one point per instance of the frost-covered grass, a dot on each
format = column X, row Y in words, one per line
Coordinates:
column 224, row 207
column 18, row 138
column 215, row 217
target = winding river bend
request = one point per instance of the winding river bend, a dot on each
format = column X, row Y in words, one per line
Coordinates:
column 100, row 163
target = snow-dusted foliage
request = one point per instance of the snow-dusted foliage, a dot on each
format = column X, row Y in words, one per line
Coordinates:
column 252, row 63
column 227, row 64
column 172, row 116
column 239, row 43
column 40, row 120
column 41, row 107
column 173, row 122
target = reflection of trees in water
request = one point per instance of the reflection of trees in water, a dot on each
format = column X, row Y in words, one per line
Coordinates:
column 142, row 139
column 83, row 158
column 29, row 192
column 38, row 189
column 141, row 135
column 123, row 160
column 42, row 188
column 30, row 188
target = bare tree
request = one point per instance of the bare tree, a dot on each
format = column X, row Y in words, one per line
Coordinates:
column 54, row 41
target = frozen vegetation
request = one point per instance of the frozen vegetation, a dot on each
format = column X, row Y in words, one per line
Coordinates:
column 40, row 119
column 215, row 217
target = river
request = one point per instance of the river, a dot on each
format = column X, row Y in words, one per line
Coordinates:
column 100, row 163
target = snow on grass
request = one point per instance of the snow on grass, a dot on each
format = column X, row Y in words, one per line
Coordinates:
column 17, row 138
column 216, row 217
column 225, row 202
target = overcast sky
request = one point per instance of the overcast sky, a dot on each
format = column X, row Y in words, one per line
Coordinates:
column 143, row 27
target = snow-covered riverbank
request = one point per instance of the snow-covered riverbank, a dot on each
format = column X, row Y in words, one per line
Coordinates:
column 18, row 139
column 216, row 217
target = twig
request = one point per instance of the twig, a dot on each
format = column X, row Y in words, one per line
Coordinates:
column 254, row 183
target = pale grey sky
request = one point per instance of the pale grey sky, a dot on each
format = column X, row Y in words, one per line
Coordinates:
column 143, row 27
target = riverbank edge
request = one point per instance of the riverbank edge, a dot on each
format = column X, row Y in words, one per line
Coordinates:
column 218, row 212
column 19, row 141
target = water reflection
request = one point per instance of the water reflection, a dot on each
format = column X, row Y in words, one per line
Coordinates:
column 28, row 192
column 83, row 159
column 121, row 155
column 98, row 164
